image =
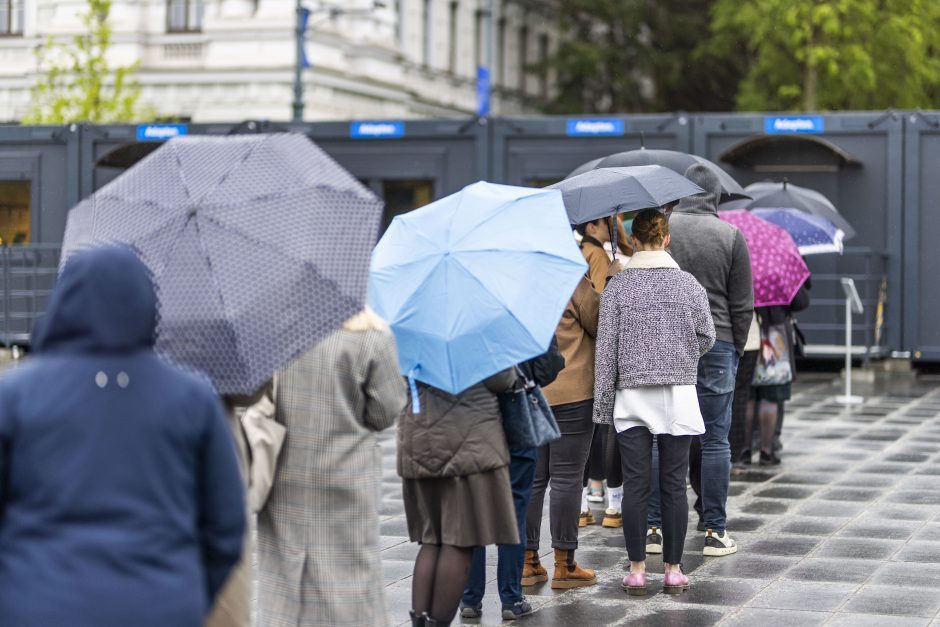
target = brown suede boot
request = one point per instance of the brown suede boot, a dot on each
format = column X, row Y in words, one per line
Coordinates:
column 568, row 574
column 532, row 570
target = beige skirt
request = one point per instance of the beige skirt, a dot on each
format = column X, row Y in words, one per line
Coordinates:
column 476, row 510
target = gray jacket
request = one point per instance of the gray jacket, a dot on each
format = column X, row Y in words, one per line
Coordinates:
column 654, row 326
column 715, row 253
column 454, row 435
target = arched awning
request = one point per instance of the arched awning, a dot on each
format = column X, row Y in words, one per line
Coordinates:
column 126, row 155
column 788, row 153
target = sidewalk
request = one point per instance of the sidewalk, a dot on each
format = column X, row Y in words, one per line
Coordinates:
column 845, row 532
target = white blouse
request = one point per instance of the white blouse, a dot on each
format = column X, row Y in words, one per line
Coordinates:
column 671, row 409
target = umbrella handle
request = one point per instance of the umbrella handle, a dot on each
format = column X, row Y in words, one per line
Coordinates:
column 415, row 400
column 612, row 227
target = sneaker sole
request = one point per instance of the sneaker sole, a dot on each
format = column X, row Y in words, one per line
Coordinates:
column 566, row 584
column 654, row 549
column 511, row 616
column 472, row 614
column 710, row 551
column 531, row 581
column 675, row 589
column 612, row 524
column 595, row 499
column 584, row 522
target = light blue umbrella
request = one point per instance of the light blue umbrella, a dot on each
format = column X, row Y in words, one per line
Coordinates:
column 475, row 282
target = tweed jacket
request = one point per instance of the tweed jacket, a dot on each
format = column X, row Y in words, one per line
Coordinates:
column 576, row 332
column 655, row 324
column 318, row 535
column 454, row 435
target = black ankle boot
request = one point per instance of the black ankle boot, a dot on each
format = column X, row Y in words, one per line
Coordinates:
column 430, row 622
column 418, row 621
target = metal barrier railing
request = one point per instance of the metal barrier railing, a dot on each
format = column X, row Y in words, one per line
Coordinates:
column 27, row 275
column 827, row 298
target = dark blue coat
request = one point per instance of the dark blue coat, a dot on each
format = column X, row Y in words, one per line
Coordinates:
column 120, row 497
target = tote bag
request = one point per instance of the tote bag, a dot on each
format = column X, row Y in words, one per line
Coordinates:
column 774, row 366
column 527, row 419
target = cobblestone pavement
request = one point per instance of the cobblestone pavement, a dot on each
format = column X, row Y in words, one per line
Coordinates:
column 845, row 532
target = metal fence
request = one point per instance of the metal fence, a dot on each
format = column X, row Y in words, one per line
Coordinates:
column 27, row 274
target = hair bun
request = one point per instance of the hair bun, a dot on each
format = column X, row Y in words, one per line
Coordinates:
column 650, row 227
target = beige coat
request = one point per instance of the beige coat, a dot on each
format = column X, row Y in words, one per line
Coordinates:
column 576, row 334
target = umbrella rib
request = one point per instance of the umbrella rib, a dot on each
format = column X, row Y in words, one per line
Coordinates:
column 245, row 236
column 235, row 167
column 180, row 171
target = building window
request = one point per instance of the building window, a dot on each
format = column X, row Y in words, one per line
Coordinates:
column 523, row 56
column 479, row 38
column 11, row 17
column 543, row 65
column 452, row 18
column 14, row 212
column 184, row 16
column 426, row 33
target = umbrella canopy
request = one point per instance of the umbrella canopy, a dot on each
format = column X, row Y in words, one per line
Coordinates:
column 813, row 235
column 475, row 282
column 676, row 161
column 258, row 246
column 768, row 194
column 777, row 268
column 605, row 192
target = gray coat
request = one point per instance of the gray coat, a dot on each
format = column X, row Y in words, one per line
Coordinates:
column 715, row 253
column 454, row 435
column 318, row 536
column 654, row 326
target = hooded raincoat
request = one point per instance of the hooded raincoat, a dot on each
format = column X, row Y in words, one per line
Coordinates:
column 120, row 495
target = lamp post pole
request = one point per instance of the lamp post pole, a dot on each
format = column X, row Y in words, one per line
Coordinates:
column 298, row 104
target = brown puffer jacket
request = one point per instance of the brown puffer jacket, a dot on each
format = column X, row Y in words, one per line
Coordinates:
column 454, row 435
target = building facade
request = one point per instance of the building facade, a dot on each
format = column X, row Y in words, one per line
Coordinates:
column 227, row 60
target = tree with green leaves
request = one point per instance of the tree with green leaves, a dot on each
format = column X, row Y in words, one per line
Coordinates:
column 639, row 55
column 831, row 54
column 78, row 84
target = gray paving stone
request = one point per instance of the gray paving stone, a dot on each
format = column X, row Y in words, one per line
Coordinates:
column 785, row 545
column 846, row 619
column 908, row 575
column 894, row 530
column 749, row 617
column 928, row 552
column 822, row 569
column 868, row 548
column 891, row 600
column 813, row 526
column 915, row 497
column 795, row 595
column 746, row 566
column 831, row 509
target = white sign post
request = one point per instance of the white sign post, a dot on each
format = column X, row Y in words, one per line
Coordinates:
column 853, row 304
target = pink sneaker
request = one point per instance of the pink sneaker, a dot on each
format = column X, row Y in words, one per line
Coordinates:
column 675, row 582
column 635, row 584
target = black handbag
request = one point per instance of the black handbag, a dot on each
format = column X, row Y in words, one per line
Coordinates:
column 527, row 419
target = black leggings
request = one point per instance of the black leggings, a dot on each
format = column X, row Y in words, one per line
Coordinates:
column 440, row 574
column 614, row 471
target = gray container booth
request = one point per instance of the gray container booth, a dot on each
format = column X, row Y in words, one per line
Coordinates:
column 39, row 169
column 856, row 160
column 539, row 151
column 921, row 232
column 408, row 163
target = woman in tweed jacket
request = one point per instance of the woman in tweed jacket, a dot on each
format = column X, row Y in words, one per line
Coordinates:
column 655, row 324
column 318, row 536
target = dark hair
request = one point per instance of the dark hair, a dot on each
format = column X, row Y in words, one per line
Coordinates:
column 650, row 227
column 582, row 228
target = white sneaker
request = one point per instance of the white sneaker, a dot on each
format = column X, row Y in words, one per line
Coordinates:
column 654, row 541
column 718, row 545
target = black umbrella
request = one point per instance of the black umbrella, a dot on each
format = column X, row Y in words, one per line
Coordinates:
column 606, row 192
column 675, row 161
column 773, row 195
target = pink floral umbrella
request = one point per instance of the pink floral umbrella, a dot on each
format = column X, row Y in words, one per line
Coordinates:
column 776, row 265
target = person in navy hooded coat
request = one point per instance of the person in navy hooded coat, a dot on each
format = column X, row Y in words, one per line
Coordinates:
column 120, row 495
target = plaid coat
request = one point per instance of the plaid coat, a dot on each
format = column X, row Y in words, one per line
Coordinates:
column 318, row 536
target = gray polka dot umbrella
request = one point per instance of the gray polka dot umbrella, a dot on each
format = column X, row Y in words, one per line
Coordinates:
column 259, row 246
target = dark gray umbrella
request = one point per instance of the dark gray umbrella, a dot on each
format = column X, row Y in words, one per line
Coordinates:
column 773, row 195
column 675, row 161
column 606, row 192
column 259, row 247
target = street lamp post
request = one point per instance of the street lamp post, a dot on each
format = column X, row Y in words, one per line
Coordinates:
column 301, row 16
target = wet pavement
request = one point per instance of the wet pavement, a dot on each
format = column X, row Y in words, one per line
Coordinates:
column 846, row 531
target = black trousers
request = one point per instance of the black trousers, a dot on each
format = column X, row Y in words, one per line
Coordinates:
column 636, row 448
column 737, row 438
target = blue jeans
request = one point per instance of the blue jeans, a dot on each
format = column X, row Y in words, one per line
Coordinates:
column 511, row 556
column 710, row 472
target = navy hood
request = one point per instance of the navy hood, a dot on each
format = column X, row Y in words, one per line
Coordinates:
column 704, row 202
column 103, row 302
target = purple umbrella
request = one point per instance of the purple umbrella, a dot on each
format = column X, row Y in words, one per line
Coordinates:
column 776, row 265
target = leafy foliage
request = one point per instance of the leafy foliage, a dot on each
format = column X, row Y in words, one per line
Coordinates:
column 79, row 85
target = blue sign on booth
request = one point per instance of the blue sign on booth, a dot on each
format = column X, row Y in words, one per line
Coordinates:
column 376, row 130
column 160, row 132
column 603, row 127
column 775, row 125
